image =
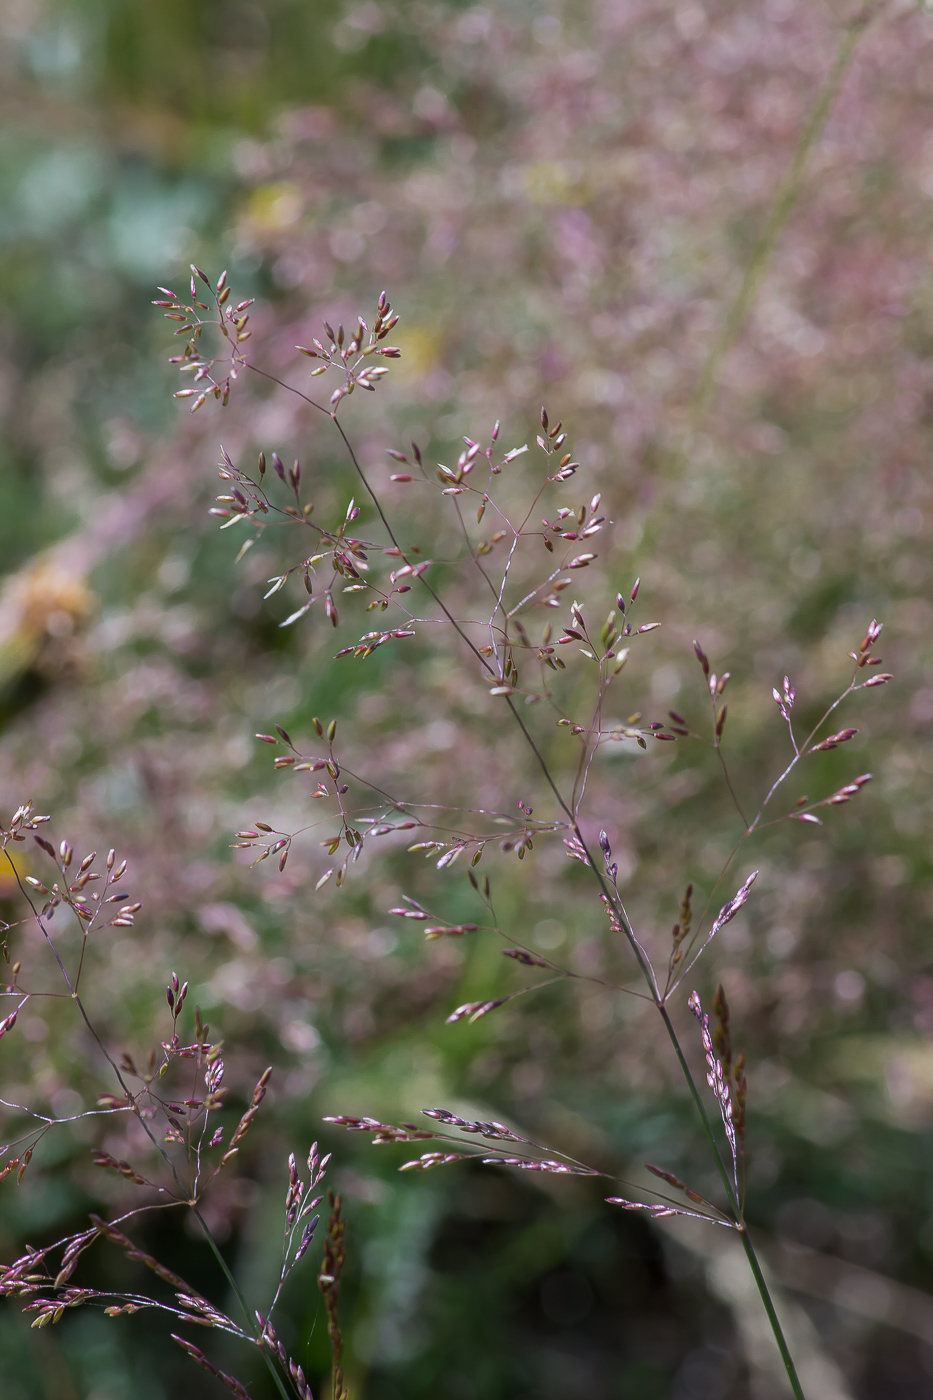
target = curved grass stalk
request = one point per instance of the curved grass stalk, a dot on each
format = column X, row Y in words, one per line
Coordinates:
column 782, row 207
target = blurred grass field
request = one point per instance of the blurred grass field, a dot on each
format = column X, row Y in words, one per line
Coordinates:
column 561, row 203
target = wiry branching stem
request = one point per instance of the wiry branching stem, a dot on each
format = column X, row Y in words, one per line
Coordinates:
column 613, row 901
column 184, row 1199
column 727, row 1182
column 611, row 897
column 733, row 325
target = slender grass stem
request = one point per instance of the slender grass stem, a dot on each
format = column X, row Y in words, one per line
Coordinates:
column 782, row 207
column 238, row 1294
column 768, row 1302
column 747, row 1245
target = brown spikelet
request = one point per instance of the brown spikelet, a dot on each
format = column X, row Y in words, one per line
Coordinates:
column 198, row 1357
column 681, row 931
column 259, row 1093
column 329, row 1284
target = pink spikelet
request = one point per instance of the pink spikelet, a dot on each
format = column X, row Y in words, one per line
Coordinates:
column 715, row 1078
